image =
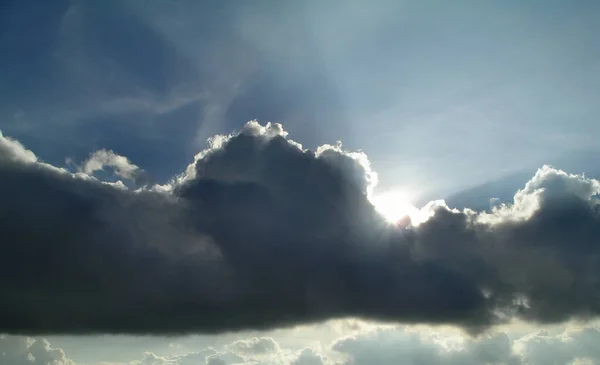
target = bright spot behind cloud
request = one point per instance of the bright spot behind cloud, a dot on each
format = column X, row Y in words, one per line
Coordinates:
column 394, row 206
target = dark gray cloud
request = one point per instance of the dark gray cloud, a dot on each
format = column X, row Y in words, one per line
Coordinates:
column 258, row 232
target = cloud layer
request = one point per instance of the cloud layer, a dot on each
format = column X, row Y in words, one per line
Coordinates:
column 19, row 350
column 381, row 345
column 399, row 345
column 258, row 232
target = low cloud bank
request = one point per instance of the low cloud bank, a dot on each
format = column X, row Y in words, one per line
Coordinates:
column 258, row 232
column 20, row 350
column 384, row 345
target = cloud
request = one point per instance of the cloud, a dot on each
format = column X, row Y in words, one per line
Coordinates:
column 255, row 346
column 409, row 346
column 404, row 345
column 536, row 256
column 19, row 350
column 258, row 232
column 383, row 345
column 273, row 355
column 207, row 356
column 151, row 358
column 309, row 357
column 12, row 150
column 563, row 348
column 121, row 166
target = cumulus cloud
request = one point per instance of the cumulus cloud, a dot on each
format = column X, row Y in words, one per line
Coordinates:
column 255, row 346
column 237, row 353
column 19, row 350
column 381, row 345
column 403, row 345
column 258, row 232
column 207, row 356
column 406, row 346
column 309, row 357
column 563, row 348
column 211, row 356
column 120, row 165
column 12, row 150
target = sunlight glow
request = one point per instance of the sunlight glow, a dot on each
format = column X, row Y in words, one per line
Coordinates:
column 395, row 206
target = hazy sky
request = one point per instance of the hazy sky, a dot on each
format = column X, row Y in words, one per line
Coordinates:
column 462, row 100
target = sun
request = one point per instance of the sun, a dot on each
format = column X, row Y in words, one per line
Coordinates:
column 394, row 206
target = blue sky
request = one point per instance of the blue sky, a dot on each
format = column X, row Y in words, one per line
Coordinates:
column 460, row 100
column 441, row 96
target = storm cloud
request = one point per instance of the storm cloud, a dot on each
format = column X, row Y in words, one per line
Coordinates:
column 259, row 232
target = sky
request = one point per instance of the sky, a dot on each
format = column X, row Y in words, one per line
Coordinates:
column 299, row 183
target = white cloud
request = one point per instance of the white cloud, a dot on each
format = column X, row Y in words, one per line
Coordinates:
column 309, row 357
column 19, row 350
column 381, row 345
column 14, row 151
column 544, row 348
column 547, row 184
column 255, row 346
column 405, row 345
column 121, row 166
